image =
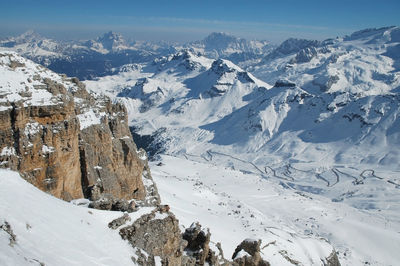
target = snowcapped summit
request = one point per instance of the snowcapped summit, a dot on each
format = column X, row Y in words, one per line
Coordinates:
column 221, row 77
column 111, row 40
column 291, row 46
column 223, row 45
column 108, row 42
column 221, row 66
column 32, row 45
column 28, row 36
column 186, row 60
column 374, row 35
column 221, row 40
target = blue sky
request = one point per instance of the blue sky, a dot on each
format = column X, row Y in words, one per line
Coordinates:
column 190, row 20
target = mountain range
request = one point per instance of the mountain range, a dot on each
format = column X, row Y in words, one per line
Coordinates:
column 87, row 59
column 318, row 117
column 240, row 125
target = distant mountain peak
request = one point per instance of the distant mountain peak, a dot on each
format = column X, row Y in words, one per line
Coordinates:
column 111, row 40
column 221, row 40
column 384, row 34
column 110, row 36
column 218, row 36
column 28, row 36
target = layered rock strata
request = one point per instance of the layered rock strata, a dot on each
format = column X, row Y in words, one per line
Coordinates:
column 64, row 140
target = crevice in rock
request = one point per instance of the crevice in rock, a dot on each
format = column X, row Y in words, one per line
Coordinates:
column 126, row 150
column 15, row 130
column 87, row 192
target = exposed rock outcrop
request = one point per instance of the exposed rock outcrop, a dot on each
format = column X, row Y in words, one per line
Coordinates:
column 248, row 254
column 332, row 259
column 114, row 224
column 109, row 203
column 109, row 158
column 158, row 234
column 198, row 245
column 64, row 140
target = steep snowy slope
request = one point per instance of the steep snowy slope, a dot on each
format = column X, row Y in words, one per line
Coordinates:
column 43, row 230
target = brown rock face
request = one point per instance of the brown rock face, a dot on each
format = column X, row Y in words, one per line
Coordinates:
column 63, row 139
column 198, row 245
column 252, row 257
column 158, row 234
column 332, row 259
column 43, row 145
column 110, row 163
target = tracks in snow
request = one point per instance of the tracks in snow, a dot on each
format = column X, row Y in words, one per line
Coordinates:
column 287, row 174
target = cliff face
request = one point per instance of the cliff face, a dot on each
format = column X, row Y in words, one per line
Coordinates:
column 110, row 161
column 62, row 139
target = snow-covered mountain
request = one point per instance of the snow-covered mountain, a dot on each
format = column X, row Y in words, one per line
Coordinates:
column 314, row 123
column 226, row 46
column 291, row 46
column 352, row 82
column 69, row 143
column 109, row 42
column 32, row 45
column 87, row 59
column 191, row 89
column 84, row 59
column 328, row 124
column 50, row 231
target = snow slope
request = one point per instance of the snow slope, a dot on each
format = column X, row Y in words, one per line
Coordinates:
column 236, row 205
column 55, row 232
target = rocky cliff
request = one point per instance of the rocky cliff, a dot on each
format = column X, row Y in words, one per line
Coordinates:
column 62, row 139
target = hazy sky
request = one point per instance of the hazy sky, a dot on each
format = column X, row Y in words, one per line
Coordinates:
column 175, row 20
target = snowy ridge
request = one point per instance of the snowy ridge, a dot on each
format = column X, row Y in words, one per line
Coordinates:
column 21, row 79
